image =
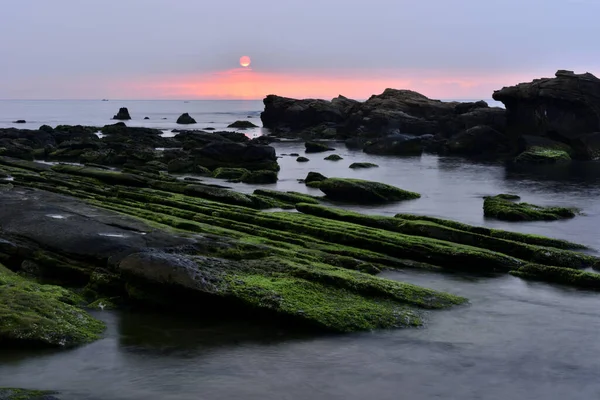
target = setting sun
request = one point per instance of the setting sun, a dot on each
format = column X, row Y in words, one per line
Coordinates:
column 245, row 61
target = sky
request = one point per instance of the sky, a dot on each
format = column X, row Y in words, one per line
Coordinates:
column 190, row 49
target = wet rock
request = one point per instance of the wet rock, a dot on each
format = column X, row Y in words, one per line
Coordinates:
column 146, row 117
column 333, row 157
column 302, row 159
column 282, row 112
column 541, row 155
column 397, row 145
column 363, row 192
column 260, row 177
column 506, row 208
column 242, row 125
column 363, row 165
column 236, row 155
column 317, row 147
column 480, row 141
column 26, row 394
column 314, row 177
column 229, row 173
column 20, row 121
column 185, row 119
column 123, row 114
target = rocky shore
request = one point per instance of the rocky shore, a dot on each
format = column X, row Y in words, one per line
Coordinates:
column 554, row 119
column 97, row 218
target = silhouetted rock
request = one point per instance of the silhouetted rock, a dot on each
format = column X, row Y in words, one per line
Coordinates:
column 397, row 145
column 316, row 147
column 479, row 141
column 302, row 159
column 242, row 125
column 565, row 108
column 20, row 121
column 146, row 118
column 314, row 177
column 236, row 155
column 123, row 114
column 185, row 119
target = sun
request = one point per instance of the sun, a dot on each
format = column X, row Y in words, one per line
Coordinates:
column 245, row 61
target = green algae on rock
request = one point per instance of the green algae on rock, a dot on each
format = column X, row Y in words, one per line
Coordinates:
column 564, row 276
column 302, row 159
column 35, row 314
column 316, row 147
column 500, row 208
column 259, row 177
column 363, row 192
column 540, row 155
column 229, row 173
column 287, row 197
column 333, row 157
column 26, row 394
column 362, row 165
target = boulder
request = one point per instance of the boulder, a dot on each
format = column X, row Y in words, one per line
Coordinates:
column 146, row 118
column 397, row 145
column 286, row 113
column 362, row 165
column 565, row 108
column 316, row 147
column 314, row 177
column 479, row 141
column 185, row 119
column 20, row 121
column 229, row 173
column 260, row 177
column 242, row 125
column 505, row 207
column 302, row 159
column 363, row 192
column 541, row 155
column 236, row 155
column 334, row 157
column 123, row 114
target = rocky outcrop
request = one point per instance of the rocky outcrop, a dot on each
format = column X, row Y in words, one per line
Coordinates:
column 362, row 192
column 480, row 141
column 123, row 114
column 565, row 108
column 242, row 125
column 185, row 119
column 236, row 155
column 282, row 113
column 399, row 145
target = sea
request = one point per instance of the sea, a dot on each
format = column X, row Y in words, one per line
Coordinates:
column 515, row 340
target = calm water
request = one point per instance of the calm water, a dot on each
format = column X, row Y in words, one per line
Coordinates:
column 516, row 340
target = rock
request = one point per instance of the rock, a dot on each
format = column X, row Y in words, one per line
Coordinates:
column 287, row 113
column 316, row 147
column 46, row 128
column 363, row 192
column 146, row 118
column 123, row 114
column 503, row 207
column 356, row 143
column 20, row 121
column 363, row 165
column 294, row 155
column 229, row 173
column 587, row 146
column 333, row 157
column 397, row 145
column 564, row 108
column 540, row 155
column 314, row 177
column 208, row 128
column 26, row 394
column 264, row 140
column 302, row 159
column 260, row 177
column 180, row 165
column 185, row 119
column 242, row 125
column 236, row 155
column 480, row 141
column 287, row 197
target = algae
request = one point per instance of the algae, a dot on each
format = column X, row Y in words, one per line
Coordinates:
column 499, row 207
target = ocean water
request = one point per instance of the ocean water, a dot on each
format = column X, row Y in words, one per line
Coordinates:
column 515, row 340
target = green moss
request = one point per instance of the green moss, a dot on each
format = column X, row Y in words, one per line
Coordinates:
column 110, row 177
column 103, row 304
column 363, row 165
column 260, row 177
column 506, row 210
column 363, row 192
column 25, row 394
column 302, row 159
column 565, row 276
column 287, row 197
column 333, row 157
column 229, row 173
column 508, row 196
column 541, row 155
column 36, row 314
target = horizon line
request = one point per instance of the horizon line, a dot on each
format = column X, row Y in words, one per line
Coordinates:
column 261, row 99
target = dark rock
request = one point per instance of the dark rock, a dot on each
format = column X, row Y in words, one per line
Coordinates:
column 479, row 141
column 46, row 128
column 180, row 165
column 264, row 140
column 185, row 119
column 540, row 155
column 564, row 108
column 316, row 147
column 260, row 177
column 146, row 118
column 356, row 143
column 397, row 145
column 236, row 155
column 503, row 207
column 242, row 125
column 229, row 173
column 314, row 177
column 283, row 112
column 209, row 129
column 333, row 157
column 362, row 192
column 294, row 155
column 302, row 159
column 20, row 121
column 123, row 114
column 26, row 394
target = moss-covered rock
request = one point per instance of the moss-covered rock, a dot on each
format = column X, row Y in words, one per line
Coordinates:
column 259, row 177
column 500, row 207
column 302, row 159
column 363, row 192
column 314, row 177
column 26, row 394
column 34, row 314
column 317, row 147
column 229, row 173
column 540, row 155
column 333, row 157
column 362, row 165
column 564, row 276
column 287, row 197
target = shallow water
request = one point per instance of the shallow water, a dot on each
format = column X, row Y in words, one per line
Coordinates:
column 515, row 340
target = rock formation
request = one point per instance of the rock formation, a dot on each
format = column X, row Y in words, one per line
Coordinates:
column 123, row 114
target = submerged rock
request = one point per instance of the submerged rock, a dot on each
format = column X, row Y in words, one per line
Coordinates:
column 123, row 114
column 302, row 159
column 185, row 119
column 504, row 208
column 362, row 192
column 333, row 157
column 20, row 121
column 362, row 165
column 242, row 125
